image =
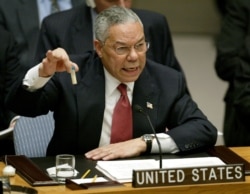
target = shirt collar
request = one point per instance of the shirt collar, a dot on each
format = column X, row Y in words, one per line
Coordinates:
column 111, row 84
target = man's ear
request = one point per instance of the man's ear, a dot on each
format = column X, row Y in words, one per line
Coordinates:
column 98, row 47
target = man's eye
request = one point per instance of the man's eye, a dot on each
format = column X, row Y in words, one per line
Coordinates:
column 122, row 49
column 139, row 46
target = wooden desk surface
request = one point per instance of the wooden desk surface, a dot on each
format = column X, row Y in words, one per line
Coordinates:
column 239, row 187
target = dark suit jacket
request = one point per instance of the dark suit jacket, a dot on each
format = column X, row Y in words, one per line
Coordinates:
column 78, row 109
column 7, row 58
column 20, row 17
column 72, row 30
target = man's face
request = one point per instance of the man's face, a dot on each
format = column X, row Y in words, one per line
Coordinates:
column 104, row 4
column 123, row 53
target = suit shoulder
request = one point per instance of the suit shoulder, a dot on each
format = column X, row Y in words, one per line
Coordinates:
column 8, row 8
column 160, row 69
column 6, row 4
column 150, row 18
column 84, row 58
column 148, row 14
column 59, row 16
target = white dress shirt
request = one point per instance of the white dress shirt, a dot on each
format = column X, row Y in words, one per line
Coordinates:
column 112, row 95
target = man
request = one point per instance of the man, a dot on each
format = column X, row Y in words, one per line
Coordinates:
column 233, row 66
column 22, row 19
column 73, row 31
column 84, row 112
column 8, row 52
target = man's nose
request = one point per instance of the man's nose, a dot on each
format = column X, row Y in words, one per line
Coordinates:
column 132, row 55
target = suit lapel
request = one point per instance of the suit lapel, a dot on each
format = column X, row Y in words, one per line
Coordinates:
column 146, row 94
column 91, row 89
column 82, row 38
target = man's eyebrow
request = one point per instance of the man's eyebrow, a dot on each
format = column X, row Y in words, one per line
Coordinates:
column 123, row 43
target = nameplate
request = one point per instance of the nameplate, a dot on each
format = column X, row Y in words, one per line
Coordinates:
column 188, row 176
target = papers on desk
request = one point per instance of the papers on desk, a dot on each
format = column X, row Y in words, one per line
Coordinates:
column 121, row 170
column 89, row 180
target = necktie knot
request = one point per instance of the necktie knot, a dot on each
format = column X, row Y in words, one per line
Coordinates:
column 123, row 89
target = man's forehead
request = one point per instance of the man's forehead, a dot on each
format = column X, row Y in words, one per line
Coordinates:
column 126, row 34
column 129, row 29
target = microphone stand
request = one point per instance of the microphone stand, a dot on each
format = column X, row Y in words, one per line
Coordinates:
column 141, row 110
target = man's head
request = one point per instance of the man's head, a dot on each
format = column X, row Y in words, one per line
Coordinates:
column 120, row 43
column 100, row 5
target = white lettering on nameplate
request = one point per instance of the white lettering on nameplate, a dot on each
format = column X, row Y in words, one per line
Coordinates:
column 185, row 176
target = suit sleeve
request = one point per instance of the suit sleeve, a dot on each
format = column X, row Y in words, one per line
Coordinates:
column 189, row 127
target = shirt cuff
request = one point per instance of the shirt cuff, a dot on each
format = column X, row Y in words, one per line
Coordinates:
column 32, row 81
column 167, row 144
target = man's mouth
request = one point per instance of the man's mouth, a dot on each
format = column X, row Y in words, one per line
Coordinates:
column 131, row 69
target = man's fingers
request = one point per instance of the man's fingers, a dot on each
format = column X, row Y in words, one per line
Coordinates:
column 57, row 55
column 69, row 65
column 61, row 58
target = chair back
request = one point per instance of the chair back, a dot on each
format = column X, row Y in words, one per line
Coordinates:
column 9, row 131
column 31, row 135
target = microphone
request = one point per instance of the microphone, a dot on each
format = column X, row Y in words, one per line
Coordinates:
column 139, row 109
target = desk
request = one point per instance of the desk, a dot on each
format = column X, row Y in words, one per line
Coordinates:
column 239, row 187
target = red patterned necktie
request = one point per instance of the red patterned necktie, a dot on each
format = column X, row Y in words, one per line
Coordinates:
column 122, row 118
